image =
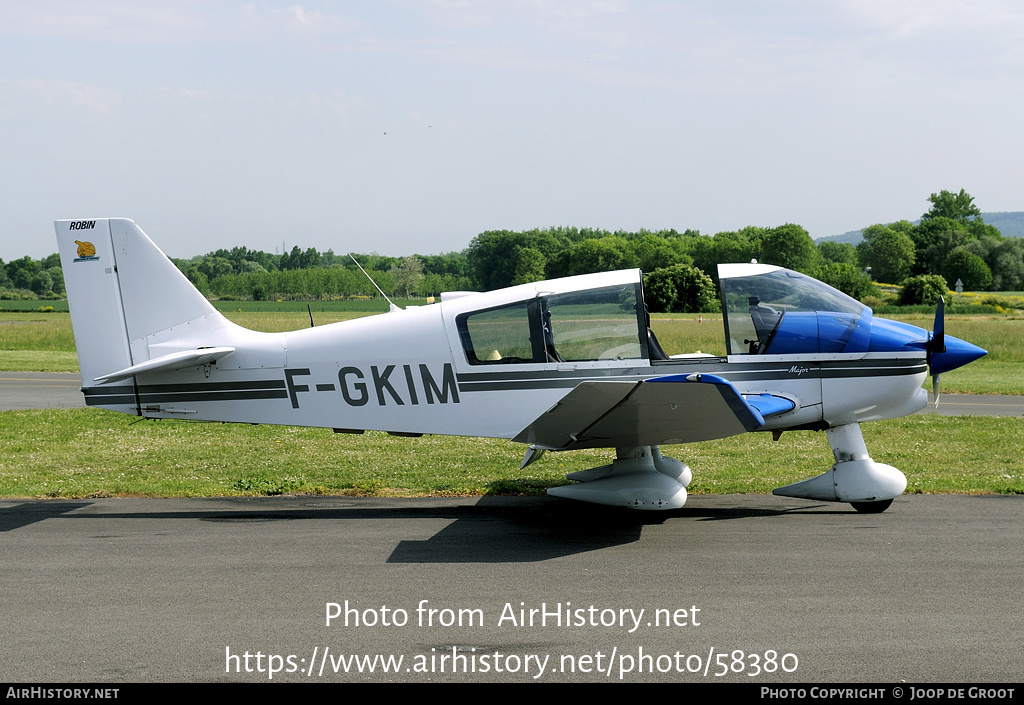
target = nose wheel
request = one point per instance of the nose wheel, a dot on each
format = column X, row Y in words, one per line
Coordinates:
column 871, row 507
column 868, row 486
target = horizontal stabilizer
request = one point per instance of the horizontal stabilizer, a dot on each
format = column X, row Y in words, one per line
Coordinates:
column 173, row 361
column 662, row 410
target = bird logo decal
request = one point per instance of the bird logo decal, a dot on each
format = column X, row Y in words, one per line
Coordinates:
column 86, row 251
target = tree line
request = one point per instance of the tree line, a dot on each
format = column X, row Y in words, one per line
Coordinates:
column 308, row 274
column 950, row 241
column 675, row 264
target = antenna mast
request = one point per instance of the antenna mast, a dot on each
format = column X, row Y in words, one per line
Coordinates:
column 393, row 307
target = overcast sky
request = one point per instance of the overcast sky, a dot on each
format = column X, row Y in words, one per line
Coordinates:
column 413, row 125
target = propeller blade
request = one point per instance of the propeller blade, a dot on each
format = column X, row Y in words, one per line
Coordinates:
column 937, row 345
column 938, row 341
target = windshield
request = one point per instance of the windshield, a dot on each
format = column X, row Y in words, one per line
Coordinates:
column 779, row 311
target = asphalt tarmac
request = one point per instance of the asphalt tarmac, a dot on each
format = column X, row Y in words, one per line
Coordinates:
column 765, row 589
column 40, row 390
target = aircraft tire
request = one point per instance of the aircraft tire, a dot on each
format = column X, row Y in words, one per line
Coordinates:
column 871, row 507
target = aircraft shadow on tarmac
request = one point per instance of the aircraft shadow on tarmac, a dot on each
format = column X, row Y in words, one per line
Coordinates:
column 31, row 512
column 493, row 530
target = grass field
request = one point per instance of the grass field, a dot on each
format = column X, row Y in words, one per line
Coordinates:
column 90, row 452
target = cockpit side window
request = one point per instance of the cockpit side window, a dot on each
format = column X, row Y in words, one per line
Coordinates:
column 599, row 324
column 503, row 335
column 591, row 325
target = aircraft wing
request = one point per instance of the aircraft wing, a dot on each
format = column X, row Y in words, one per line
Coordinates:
column 661, row 410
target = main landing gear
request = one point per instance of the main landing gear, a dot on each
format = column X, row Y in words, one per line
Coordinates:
column 640, row 477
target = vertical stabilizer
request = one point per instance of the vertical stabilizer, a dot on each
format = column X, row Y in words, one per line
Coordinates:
column 121, row 290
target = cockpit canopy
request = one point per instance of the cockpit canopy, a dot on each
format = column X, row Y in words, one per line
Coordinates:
column 771, row 310
column 601, row 318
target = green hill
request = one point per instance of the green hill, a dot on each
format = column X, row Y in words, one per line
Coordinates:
column 1009, row 224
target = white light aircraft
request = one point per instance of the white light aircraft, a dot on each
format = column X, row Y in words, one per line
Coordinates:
column 557, row 365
